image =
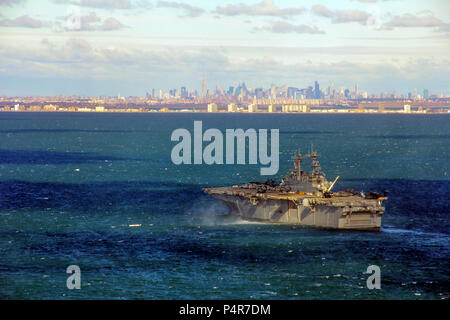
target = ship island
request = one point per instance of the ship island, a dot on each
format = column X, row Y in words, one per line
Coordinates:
column 303, row 198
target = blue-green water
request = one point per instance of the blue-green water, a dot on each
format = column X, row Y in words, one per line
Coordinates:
column 71, row 184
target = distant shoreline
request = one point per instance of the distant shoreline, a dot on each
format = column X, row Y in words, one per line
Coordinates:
column 234, row 113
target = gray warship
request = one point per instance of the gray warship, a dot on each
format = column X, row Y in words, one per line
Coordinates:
column 303, row 198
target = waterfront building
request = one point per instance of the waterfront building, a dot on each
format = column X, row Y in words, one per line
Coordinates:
column 212, row 107
column 232, row 107
column 35, row 108
column 252, row 107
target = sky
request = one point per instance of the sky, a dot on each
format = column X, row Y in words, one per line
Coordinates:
column 107, row 47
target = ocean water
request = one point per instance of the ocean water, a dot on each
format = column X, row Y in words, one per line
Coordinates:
column 100, row 191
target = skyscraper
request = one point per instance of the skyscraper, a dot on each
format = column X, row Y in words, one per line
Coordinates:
column 183, row 92
column 204, row 88
column 316, row 90
column 330, row 89
column 291, row 92
column 273, row 91
column 347, row 93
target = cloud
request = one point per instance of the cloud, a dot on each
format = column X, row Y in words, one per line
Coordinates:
column 414, row 21
column 323, row 11
column 22, row 22
column 191, row 11
column 263, row 8
column 90, row 18
column 426, row 19
column 78, row 58
column 285, row 27
column 341, row 16
column 108, row 4
column 139, row 68
column 386, row 76
column 11, row 3
column 91, row 22
column 110, row 24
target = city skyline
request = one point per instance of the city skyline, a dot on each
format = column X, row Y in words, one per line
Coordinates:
column 133, row 46
column 241, row 90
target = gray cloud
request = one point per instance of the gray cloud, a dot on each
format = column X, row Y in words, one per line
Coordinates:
column 263, row 8
column 90, row 18
column 108, row 4
column 412, row 21
column 285, row 27
column 78, row 57
column 91, row 22
column 191, row 11
column 323, row 11
column 22, row 22
column 110, row 24
column 11, row 3
column 341, row 16
column 165, row 67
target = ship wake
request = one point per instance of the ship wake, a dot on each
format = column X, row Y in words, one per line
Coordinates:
column 212, row 213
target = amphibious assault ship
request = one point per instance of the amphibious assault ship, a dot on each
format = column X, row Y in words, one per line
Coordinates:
column 303, row 198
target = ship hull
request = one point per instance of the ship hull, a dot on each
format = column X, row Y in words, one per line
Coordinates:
column 291, row 212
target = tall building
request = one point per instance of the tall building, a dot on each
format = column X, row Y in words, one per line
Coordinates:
column 219, row 91
column 426, row 94
column 204, row 88
column 273, row 91
column 316, row 90
column 291, row 92
column 244, row 88
column 183, row 92
column 299, row 95
column 330, row 89
column 309, row 92
column 259, row 93
column 238, row 91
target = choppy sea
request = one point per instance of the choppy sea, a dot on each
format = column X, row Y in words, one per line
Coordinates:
column 100, row 191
